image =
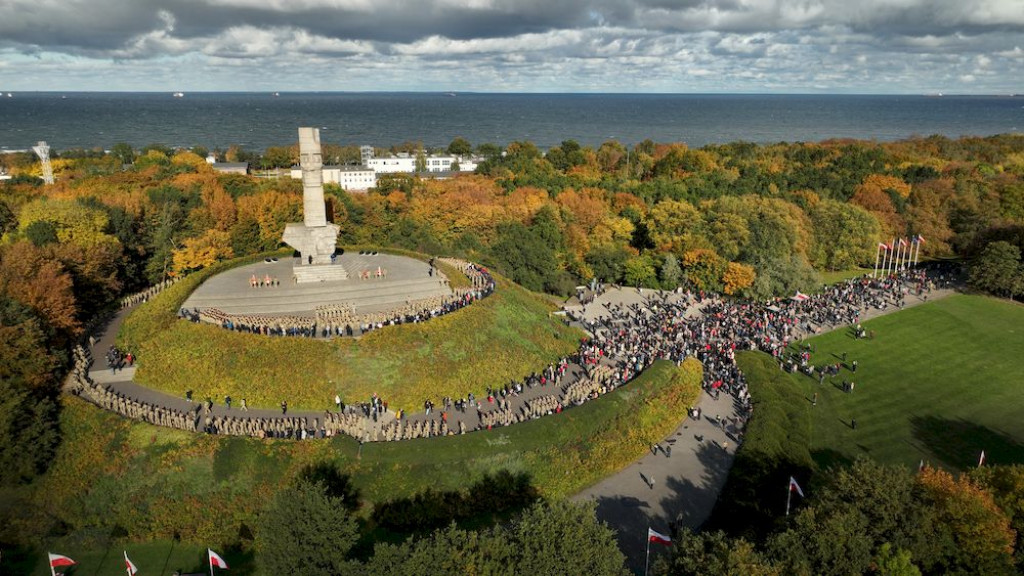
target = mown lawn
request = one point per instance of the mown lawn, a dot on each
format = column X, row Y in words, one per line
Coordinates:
column 501, row 338
column 116, row 483
column 940, row 382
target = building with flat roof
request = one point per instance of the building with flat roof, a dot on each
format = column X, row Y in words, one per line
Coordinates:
column 350, row 178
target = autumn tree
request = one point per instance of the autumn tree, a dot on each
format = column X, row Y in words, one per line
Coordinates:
column 980, row 530
column 203, row 251
column 847, row 235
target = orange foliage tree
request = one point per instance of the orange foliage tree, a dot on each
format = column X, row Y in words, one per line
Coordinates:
column 981, row 532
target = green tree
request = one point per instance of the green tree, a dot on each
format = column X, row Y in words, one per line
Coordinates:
column 639, row 271
column 671, row 273
column 997, row 269
column 123, row 152
column 305, row 531
column 713, row 554
column 551, row 536
column 41, row 233
column 847, row 235
column 460, row 147
column 894, row 562
column 607, row 261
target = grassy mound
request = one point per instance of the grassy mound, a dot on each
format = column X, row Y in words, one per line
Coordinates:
column 939, row 382
column 503, row 337
column 115, row 481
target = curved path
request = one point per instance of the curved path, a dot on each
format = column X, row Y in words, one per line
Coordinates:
column 675, row 485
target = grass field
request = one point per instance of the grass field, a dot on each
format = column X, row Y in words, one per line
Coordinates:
column 115, row 482
column 940, row 382
column 501, row 338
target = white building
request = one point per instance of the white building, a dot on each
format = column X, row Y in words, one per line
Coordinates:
column 405, row 162
column 351, row 178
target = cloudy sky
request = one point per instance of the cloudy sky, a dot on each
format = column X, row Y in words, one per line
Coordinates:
column 794, row 46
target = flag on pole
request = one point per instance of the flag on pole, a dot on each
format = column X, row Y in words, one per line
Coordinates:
column 129, row 567
column 58, row 561
column 903, row 242
column 794, row 486
column 883, row 246
column 658, row 537
column 920, row 239
column 920, row 467
column 981, row 459
column 216, row 560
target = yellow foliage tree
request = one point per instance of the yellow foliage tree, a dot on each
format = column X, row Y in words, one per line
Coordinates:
column 982, row 533
column 73, row 222
column 737, row 277
column 885, row 183
column 203, row 251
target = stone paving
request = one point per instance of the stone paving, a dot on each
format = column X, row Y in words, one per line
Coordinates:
column 407, row 279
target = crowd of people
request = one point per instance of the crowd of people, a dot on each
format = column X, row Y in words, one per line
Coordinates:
column 624, row 339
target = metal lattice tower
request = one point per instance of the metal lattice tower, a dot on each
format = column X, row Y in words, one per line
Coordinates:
column 43, row 151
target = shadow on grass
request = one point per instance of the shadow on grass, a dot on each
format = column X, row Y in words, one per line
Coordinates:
column 958, row 443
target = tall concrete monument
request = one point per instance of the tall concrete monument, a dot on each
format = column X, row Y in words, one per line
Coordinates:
column 314, row 238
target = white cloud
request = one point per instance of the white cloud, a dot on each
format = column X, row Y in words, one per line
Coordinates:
column 532, row 45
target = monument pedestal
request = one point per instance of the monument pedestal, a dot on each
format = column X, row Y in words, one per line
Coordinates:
column 319, row 273
column 316, row 246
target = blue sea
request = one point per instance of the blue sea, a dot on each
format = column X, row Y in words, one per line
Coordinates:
column 258, row 120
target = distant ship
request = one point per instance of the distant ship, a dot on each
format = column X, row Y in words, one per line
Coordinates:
column 451, row 94
column 179, row 94
column 277, row 93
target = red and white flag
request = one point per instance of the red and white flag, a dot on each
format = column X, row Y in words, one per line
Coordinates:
column 981, row 459
column 216, row 560
column 794, row 486
column 58, row 561
column 884, row 246
column 658, row 537
column 920, row 239
column 903, row 242
column 129, row 567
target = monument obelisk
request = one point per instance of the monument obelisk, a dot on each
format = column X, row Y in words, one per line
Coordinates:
column 315, row 238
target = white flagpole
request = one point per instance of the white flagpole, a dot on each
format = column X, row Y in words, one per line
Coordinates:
column 789, row 496
column 127, row 569
column 892, row 256
column 885, row 260
column 53, row 571
column 647, row 563
column 917, row 252
column 210, row 558
column 899, row 254
column 878, row 252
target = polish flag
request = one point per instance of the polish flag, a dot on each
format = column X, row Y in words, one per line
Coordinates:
column 129, row 567
column 903, row 242
column 794, row 486
column 58, row 561
column 658, row 538
column 920, row 239
column 981, row 459
column 216, row 560
column 883, row 245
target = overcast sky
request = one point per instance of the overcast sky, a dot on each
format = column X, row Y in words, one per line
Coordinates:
column 792, row 46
